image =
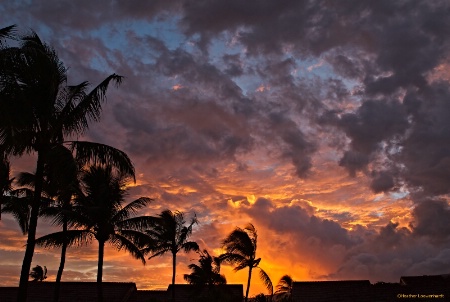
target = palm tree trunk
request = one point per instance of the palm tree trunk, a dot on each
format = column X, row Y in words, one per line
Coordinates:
column 174, row 268
column 101, row 252
column 248, row 282
column 61, row 265
column 29, row 249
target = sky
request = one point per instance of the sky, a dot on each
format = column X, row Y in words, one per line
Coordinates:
column 326, row 124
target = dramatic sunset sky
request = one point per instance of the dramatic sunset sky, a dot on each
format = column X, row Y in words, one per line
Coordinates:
column 324, row 123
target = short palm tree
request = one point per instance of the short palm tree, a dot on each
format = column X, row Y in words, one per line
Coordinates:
column 168, row 233
column 240, row 247
column 99, row 214
column 38, row 111
column 38, row 273
column 284, row 289
column 207, row 272
column 207, row 280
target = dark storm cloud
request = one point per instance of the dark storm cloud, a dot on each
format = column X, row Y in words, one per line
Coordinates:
column 431, row 219
column 373, row 128
column 86, row 15
column 348, row 65
column 392, row 252
column 426, row 152
column 300, row 222
column 388, row 45
column 382, row 182
column 373, row 122
column 200, row 117
column 233, row 65
column 313, row 27
column 298, row 148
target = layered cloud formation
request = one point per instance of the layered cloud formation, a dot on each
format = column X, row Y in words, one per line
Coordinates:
column 326, row 124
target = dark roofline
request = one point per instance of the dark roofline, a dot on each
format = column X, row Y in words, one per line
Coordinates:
column 333, row 282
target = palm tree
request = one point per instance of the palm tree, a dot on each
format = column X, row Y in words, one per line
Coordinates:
column 284, row 289
column 240, row 246
column 99, row 214
column 60, row 184
column 169, row 234
column 206, row 278
column 38, row 273
column 207, row 272
column 38, row 110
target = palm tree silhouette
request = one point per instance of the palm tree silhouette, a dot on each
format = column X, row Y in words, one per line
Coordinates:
column 60, row 184
column 38, row 273
column 168, row 233
column 38, row 110
column 99, row 214
column 284, row 289
column 207, row 272
column 205, row 277
column 240, row 246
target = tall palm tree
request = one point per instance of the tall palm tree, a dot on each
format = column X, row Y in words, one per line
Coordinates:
column 99, row 214
column 284, row 289
column 240, row 246
column 169, row 234
column 38, row 110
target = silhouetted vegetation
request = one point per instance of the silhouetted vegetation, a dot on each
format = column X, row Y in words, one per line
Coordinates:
column 33, row 85
column 38, row 273
column 284, row 289
column 240, row 246
column 81, row 186
column 169, row 234
column 99, row 213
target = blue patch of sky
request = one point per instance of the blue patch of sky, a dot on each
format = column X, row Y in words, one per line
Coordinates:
column 117, row 37
column 398, row 195
column 392, row 197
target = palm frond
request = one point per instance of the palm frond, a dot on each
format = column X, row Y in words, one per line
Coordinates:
column 234, row 259
column 71, row 237
column 26, row 179
column 242, row 265
column 238, row 241
column 155, row 250
column 284, row 285
column 136, row 223
column 186, row 231
column 120, row 242
column 69, row 97
column 89, row 108
column 20, row 208
column 49, row 212
column 266, row 280
column 190, row 246
column 138, row 238
column 95, row 153
column 132, row 209
column 7, row 32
